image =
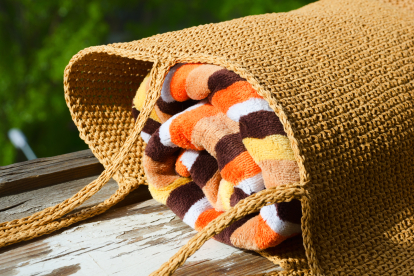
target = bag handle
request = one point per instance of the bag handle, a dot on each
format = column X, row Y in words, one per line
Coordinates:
column 251, row 204
column 51, row 218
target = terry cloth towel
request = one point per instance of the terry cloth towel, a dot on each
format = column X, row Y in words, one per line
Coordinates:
column 212, row 141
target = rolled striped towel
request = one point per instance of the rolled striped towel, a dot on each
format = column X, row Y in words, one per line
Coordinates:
column 212, row 140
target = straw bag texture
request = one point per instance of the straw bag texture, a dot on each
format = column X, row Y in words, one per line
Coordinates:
column 340, row 76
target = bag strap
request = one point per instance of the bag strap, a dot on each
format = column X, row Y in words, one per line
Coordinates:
column 251, row 204
column 51, row 218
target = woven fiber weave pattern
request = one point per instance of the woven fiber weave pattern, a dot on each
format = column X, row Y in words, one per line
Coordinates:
column 342, row 71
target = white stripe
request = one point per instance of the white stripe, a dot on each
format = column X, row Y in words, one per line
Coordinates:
column 188, row 158
column 284, row 228
column 165, row 136
column 252, row 185
column 145, row 136
column 165, row 90
column 196, row 210
column 252, row 105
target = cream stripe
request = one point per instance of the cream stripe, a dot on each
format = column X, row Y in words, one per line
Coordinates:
column 165, row 136
column 196, row 210
column 252, row 185
column 252, row 105
column 188, row 158
column 145, row 136
column 284, row 228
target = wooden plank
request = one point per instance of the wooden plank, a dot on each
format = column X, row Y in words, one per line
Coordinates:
column 135, row 237
column 26, row 203
column 43, row 172
column 130, row 240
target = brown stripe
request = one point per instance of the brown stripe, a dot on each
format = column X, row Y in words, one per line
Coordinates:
column 228, row 148
column 224, row 236
column 203, row 169
column 260, row 124
column 237, row 195
column 174, row 107
column 290, row 211
column 151, row 126
column 135, row 113
column 221, row 80
column 183, row 197
column 156, row 150
column 161, row 115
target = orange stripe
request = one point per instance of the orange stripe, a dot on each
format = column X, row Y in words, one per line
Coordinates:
column 236, row 93
column 180, row 168
column 205, row 218
column 265, row 237
column 178, row 81
column 181, row 127
column 240, row 168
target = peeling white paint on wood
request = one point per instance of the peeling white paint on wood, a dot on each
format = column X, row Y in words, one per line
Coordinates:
column 134, row 244
column 131, row 239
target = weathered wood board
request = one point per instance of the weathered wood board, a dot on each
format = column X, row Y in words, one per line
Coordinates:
column 133, row 238
column 44, row 172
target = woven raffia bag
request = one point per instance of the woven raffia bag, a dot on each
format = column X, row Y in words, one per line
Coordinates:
column 340, row 76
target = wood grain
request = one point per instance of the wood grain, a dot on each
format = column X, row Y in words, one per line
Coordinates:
column 129, row 240
column 133, row 238
column 26, row 203
column 43, row 172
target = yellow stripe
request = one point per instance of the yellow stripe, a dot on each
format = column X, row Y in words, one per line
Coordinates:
column 161, row 195
column 274, row 147
column 225, row 191
column 139, row 99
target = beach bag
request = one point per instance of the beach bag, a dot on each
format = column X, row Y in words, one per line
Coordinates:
column 339, row 74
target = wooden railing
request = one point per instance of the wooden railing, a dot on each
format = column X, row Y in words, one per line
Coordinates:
column 133, row 238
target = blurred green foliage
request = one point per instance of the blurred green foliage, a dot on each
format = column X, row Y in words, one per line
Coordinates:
column 38, row 38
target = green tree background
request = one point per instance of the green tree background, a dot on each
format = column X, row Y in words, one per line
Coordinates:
column 38, row 38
